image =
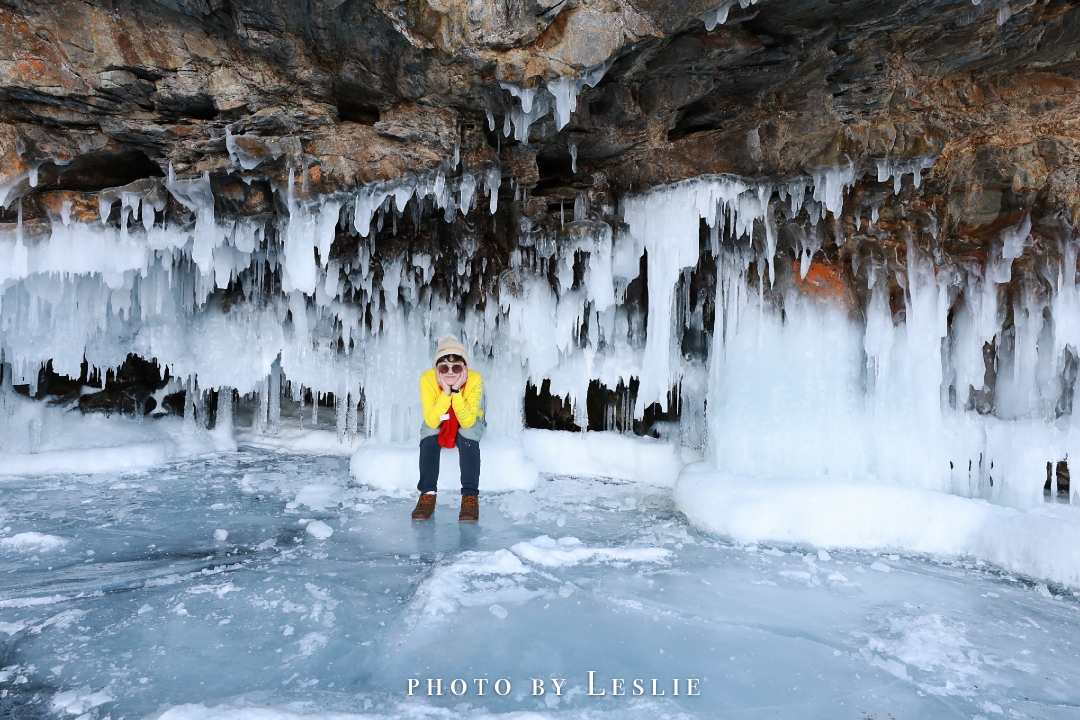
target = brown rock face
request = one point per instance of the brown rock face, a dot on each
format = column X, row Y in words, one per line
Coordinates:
column 983, row 101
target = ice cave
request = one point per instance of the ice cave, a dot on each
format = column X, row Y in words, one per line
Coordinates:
column 775, row 304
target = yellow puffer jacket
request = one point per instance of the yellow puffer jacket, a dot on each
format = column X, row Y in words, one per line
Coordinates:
column 466, row 405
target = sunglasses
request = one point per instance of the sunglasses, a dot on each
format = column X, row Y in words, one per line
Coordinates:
column 451, row 369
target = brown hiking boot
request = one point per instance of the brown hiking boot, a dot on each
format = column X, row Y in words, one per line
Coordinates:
column 425, row 506
column 470, row 509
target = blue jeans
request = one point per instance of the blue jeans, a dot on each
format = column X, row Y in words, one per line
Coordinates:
column 468, row 459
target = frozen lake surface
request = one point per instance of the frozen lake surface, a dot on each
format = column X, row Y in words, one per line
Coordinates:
column 118, row 601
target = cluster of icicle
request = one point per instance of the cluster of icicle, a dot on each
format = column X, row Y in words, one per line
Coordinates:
column 810, row 392
column 535, row 103
column 719, row 14
column 96, row 292
column 817, row 393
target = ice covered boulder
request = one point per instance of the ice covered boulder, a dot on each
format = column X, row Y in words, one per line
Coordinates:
column 1042, row 543
column 396, row 467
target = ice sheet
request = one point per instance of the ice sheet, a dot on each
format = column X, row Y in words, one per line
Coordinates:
column 144, row 611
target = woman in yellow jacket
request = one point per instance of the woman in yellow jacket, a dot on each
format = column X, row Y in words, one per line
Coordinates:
column 450, row 394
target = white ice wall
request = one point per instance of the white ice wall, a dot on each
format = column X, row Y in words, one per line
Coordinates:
column 819, row 393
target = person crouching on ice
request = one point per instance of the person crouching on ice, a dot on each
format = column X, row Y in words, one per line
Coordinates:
column 450, row 394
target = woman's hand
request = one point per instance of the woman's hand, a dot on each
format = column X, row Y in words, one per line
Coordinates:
column 457, row 385
column 442, row 383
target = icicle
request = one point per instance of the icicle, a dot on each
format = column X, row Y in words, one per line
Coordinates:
column 492, row 181
column 264, row 406
column 37, row 430
column 341, row 405
column 301, row 399
column 189, row 402
column 350, row 418
column 224, row 419
column 530, row 109
column 202, row 415
column 897, row 169
column 719, row 14
column 274, row 404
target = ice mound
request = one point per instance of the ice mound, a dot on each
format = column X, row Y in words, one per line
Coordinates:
column 569, row 551
column 603, row 454
column 89, row 460
column 32, row 542
column 395, row 467
column 43, row 440
column 506, row 465
column 319, row 530
column 301, row 440
column 1042, row 543
column 77, row 702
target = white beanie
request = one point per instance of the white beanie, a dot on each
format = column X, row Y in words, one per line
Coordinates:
column 450, row 345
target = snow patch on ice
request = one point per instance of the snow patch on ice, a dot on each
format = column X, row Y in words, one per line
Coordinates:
column 32, row 542
column 932, row 644
column 568, row 551
column 927, row 642
column 312, row 642
column 31, row 601
column 77, row 702
column 61, row 621
column 474, row 578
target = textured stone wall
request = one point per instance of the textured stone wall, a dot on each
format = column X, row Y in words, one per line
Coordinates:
column 99, row 94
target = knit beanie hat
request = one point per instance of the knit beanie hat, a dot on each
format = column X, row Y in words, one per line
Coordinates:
column 450, row 345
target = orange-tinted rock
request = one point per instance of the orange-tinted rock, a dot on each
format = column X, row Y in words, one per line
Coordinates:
column 823, row 282
column 70, row 205
column 12, row 166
